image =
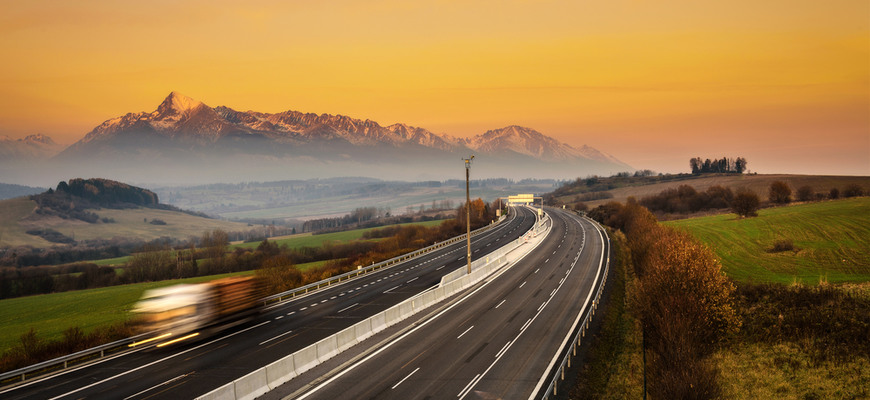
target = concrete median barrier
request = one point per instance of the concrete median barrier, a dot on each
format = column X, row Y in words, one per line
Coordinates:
column 252, row 385
column 346, row 338
column 406, row 309
column 393, row 315
column 305, row 359
column 327, row 348
column 279, row 372
column 225, row 392
column 379, row 322
column 363, row 329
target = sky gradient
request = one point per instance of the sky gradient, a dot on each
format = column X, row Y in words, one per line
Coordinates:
column 785, row 84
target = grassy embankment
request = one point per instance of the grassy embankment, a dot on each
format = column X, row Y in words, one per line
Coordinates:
column 797, row 341
column 51, row 314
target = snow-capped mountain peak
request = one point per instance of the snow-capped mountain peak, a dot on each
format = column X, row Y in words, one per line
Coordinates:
column 178, row 102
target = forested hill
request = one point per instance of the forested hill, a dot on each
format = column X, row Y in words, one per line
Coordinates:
column 107, row 193
column 72, row 199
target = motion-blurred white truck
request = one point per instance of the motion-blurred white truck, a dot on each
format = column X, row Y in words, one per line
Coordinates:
column 186, row 308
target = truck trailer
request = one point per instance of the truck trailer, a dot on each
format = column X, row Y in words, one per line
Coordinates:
column 187, row 308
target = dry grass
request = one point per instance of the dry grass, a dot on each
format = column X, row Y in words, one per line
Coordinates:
column 12, row 234
column 17, row 216
column 786, row 371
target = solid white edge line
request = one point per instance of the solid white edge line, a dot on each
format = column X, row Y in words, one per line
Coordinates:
column 468, row 386
column 158, row 385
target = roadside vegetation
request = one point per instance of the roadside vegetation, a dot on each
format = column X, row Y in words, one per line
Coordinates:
column 799, row 319
column 33, row 335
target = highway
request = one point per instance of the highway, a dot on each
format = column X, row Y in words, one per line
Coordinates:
column 189, row 369
column 493, row 343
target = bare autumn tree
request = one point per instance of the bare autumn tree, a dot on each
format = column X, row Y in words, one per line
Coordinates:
column 684, row 303
column 279, row 274
column 779, row 192
column 745, row 203
column 805, row 193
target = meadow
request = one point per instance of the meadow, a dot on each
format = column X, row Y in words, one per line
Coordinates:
column 831, row 242
column 50, row 314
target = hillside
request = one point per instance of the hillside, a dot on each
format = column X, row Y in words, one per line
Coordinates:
column 758, row 183
column 96, row 209
column 831, row 242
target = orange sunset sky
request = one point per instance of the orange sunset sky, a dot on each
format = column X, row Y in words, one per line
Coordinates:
column 784, row 83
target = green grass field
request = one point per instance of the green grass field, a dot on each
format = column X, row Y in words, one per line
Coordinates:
column 51, row 314
column 831, row 241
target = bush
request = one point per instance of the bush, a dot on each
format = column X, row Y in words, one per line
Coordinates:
column 745, row 203
column 805, row 193
column 782, row 245
column 834, row 193
column 779, row 193
column 853, row 190
column 157, row 221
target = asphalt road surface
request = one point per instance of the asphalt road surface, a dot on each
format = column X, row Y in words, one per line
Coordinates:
column 494, row 344
column 189, row 369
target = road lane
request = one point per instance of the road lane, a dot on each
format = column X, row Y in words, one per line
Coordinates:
column 190, row 369
column 497, row 344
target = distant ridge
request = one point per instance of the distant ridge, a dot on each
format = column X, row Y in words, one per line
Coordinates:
column 188, row 141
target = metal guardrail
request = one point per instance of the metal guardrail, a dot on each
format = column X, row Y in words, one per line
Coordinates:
column 121, row 346
column 71, row 360
column 371, row 268
column 581, row 330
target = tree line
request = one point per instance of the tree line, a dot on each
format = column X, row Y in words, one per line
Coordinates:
column 723, row 165
column 684, row 302
column 686, row 199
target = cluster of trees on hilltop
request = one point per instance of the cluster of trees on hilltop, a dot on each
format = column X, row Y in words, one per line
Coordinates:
column 107, row 193
column 72, row 199
column 723, row 165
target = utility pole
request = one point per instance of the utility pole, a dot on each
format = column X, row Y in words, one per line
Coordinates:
column 468, row 209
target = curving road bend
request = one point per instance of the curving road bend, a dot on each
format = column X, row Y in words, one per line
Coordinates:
column 187, row 370
column 494, row 344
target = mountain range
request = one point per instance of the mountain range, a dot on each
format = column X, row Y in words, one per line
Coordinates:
column 186, row 141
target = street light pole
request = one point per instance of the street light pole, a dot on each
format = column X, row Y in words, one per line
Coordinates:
column 468, row 210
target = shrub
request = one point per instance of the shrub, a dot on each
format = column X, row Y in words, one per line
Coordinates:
column 834, row 193
column 745, row 203
column 779, row 193
column 853, row 190
column 782, row 245
column 805, row 193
